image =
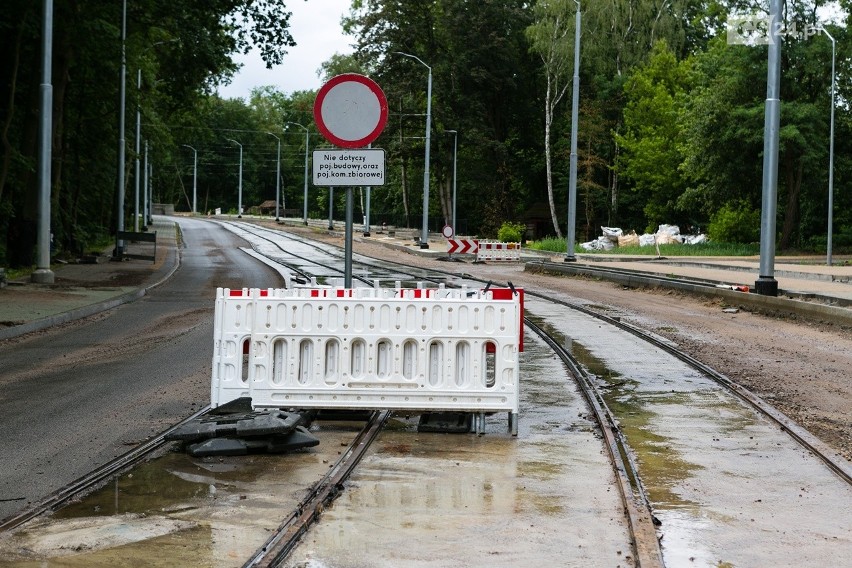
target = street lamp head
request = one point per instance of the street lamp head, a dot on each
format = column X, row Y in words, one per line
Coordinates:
column 305, row 128
column 413, row 57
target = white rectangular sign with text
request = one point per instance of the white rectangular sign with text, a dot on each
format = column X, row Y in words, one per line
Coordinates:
column 337, row 167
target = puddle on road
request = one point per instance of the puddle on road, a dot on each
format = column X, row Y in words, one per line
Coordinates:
column 544, row 498
column 177, row 510
column 730, row 487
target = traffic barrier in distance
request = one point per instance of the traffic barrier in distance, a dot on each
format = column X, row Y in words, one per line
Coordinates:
column 498, row 251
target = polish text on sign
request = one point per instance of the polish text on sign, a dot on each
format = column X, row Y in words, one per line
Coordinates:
column 356, row 167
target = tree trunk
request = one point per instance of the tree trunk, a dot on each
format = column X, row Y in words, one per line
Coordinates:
column 794, row 171
column 10, row 112
column 548, row 121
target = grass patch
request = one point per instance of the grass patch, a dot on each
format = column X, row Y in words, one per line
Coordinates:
column 702, row 249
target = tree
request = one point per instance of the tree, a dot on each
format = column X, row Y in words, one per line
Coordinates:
column 183, row 49
column 551, row 38
column 651, row 157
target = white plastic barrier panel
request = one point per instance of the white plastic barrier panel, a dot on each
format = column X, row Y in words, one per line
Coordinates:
column 369, row 348
column 498, row 251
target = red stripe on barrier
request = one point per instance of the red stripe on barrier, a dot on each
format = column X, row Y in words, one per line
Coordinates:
column 239, row 293
column 507, row 294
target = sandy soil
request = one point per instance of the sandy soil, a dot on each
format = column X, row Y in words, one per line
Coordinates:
column 800, row 367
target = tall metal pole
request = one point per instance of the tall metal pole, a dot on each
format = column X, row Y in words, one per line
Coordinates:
column 136, row 144
column 151, row 191
column 138, row 141
column 347, row 248
column 424, row 236
column 572, row 172
column 766, row 284
column 119, row 244
column 194, row 176
column 240, row 187
column 330, row 208
column 43, row 274
column 145, row 188
column 367, row 189
column 830, row 158
column 305, row 202
column 277, row 176
column 455, row 177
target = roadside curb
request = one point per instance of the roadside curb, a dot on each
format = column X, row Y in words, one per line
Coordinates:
column 811, row 310
column 92, row 309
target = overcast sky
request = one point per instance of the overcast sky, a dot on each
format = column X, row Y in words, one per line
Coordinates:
column 315, row 25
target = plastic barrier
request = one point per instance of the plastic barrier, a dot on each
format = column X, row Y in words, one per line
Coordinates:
column 423, row 349
column 498, row 251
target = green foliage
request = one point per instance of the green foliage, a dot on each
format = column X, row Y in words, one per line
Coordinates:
column 510, row 232
column 670, row 131
column 549, row 244
column 651, row 141
column 703, row 249
column 735, row 222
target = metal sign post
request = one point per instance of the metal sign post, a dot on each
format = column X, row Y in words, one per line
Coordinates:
column 350, row 111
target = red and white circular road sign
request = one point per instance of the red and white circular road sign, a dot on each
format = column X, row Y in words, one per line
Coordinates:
column 351, row 110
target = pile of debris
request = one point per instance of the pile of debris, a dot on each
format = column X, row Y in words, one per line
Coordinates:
column 666, row 234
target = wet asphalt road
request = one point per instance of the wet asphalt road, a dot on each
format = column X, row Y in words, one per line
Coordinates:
column 77, row 396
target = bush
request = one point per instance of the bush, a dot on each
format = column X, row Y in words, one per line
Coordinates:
column 511, row 232
column 735, row 222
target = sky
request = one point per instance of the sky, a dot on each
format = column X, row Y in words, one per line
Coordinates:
column 315, row 25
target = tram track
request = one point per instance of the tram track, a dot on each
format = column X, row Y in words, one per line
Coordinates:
column 623, row 462
column 286, row 537
column 638, row 507
column 804, row 439
column 97, row 477
column 802, row 436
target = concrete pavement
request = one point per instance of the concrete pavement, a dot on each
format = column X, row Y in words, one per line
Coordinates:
column 94, row 284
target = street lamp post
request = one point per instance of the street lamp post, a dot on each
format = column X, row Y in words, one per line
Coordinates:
column 766, row 284
column 240, row 186
column 424, row 237
column 830, row 157
column 277, row 176
column 305, row 202
column 145, row 189
column 330, row 208
column 43, row 274
column 572, row 168
column 194, row 176
column 137, row 177
column 119, row 244
column 137, row 143
column 455, row 177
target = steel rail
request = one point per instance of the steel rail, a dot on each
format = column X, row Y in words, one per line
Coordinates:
column 282, row 249
column 801, row 435
column 94, row 478
column 640, row 519
column 285, row 538
column 362, row 259
column 807, row 440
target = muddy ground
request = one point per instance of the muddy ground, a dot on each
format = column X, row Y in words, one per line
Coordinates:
column 800, row 367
